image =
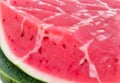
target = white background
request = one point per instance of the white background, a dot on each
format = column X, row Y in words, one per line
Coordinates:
column 0, row 81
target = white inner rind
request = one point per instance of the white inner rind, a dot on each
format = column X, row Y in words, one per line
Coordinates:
column 22, row 65
column 25, row 67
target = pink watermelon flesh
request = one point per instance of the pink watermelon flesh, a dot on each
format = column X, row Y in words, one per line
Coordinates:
column 76, row 40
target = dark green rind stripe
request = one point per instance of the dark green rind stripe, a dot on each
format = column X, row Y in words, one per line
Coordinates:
column 11, row 74
column 5, row 79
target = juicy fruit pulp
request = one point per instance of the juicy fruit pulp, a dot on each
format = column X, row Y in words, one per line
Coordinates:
column 68, row 41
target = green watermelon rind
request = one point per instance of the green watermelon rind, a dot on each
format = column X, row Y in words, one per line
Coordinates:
column 21, row 64
column 9, row 73
column 5, row 79
column 29, row 70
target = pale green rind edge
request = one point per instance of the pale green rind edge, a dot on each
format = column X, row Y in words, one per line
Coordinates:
column 9, row 73
column 6, row 79
column 27, row 69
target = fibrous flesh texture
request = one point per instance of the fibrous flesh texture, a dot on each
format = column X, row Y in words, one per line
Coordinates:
column 72, row 40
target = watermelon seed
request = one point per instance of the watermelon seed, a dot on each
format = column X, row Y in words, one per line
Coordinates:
column 14, row 2
column 9, row 37
column 85, row 61
column 12, row 40
column 40, row 50
column 118, row 46
column 46, row 32
column 4, row 20
column 14, row 49
column 54, row 43
column 40, row 61
column 46, row 61
column 64, row 46
column 29, row 27
column 116, row 60
column 23, row 48
column 71, row 67
column 27, row 2
column 75, row 46
column 45, row 38
column 31, row 38
column 22, row 34
column 16, row 17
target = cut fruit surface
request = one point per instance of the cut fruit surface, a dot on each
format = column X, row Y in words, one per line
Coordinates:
column 62, row 41
column 9, row 73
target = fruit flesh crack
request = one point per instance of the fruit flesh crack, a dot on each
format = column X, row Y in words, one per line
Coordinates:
column 73, row 28
column 93, row 73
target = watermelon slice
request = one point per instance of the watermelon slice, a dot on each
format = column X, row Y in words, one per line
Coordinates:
column 63, row 41
column 9, row 73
